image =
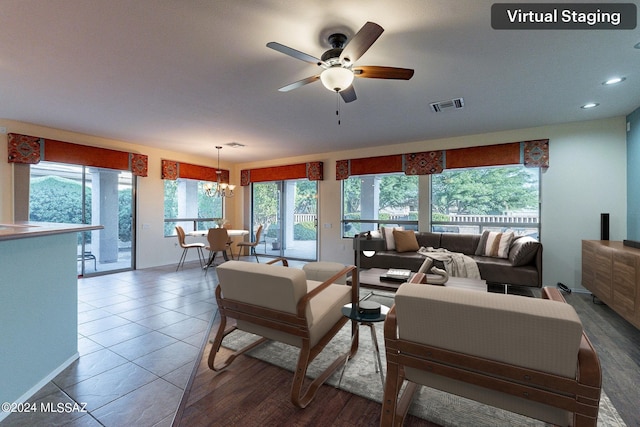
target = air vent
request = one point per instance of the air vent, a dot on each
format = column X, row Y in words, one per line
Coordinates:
column 451, row 104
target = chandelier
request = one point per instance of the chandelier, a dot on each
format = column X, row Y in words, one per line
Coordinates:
column 219, row 188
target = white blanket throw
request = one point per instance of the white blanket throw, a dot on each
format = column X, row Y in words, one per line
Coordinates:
column 456, row 264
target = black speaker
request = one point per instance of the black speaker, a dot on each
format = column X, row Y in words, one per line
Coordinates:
column 604, row 226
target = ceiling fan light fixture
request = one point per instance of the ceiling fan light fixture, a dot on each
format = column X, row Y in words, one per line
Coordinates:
column 337, row 78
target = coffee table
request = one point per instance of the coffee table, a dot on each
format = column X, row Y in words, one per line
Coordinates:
column 370, row 278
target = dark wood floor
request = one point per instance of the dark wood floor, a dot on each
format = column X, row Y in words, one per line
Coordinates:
column 617, row 343
column 255, row 393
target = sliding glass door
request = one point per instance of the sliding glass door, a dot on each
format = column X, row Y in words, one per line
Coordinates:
column 288, row 211
column 88, row 195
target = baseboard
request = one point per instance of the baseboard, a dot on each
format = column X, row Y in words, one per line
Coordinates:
column 33, row 390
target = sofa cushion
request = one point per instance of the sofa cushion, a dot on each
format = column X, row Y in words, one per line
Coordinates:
column 392, row 259
column 461, row 243
column 523, row 250
column 500, row 270
column 405, row 241
column 428, row 239
column 494, row 244
column 387, row 235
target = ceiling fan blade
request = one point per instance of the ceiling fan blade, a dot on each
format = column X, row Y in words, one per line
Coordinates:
column 361, row 42
column 299, row 83
column 349, row 94
column 375, row 72
column 294, row 53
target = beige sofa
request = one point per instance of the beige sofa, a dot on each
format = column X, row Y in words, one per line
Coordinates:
column 522, row 267
column 524, row 355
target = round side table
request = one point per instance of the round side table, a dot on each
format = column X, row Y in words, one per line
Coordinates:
column 370, row 321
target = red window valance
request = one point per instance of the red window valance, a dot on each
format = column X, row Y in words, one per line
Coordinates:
column 529, row 153
column 313, row 171
column 32, row 149
column 489, row 155
column 173, row 170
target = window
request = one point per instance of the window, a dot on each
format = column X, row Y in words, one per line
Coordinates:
column 494, row 198
column 77, row 194
column 187, row 205
column 288, row 212
column 369, row 201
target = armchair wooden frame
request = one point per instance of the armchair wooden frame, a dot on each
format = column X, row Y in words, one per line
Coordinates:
column 295, row 325
column 579, row 396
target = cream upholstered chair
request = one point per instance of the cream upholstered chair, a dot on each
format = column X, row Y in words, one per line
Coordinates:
column 524, row 355
column 186, row 246
column 280, row 303
column 217, row 238
column 251, row 245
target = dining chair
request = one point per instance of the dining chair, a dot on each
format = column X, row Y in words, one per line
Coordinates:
column 251, row 245
column 229, row 226
column 186, row 246
column 217, row 238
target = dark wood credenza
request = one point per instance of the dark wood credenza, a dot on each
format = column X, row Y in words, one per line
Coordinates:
column 611, row 271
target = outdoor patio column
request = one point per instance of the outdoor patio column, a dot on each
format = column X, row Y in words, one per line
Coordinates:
column 369, row 200
column 288, row 220
column 104, row 211
column 187, row 201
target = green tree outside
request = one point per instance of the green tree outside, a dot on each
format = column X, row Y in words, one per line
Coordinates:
column 484, row 191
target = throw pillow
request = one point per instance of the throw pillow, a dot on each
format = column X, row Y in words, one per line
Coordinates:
column 405, row 241
column 523, row 250
column 387, row 235
column 494, row 244
column 482, row 243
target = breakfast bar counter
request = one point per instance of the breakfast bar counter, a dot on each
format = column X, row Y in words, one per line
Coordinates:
column 38, row 305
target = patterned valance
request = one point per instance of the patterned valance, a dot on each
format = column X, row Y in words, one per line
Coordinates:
column 411, row 164
column 139, row 164
column 173, row 170
column 528, row 153
column 313, row 171
column 33, row 149
column 425, row 163
column 25, row 149
column 536, row 154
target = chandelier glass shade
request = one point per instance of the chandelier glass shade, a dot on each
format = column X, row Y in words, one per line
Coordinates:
column 337, row 78
column 219, row 188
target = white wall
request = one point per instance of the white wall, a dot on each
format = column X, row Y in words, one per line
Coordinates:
column 587, row 176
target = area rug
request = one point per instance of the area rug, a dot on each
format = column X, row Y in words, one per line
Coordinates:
column 361, row 379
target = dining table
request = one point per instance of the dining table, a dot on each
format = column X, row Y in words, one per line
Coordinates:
column 230, row 231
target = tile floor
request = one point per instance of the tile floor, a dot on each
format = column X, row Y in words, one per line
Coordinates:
column 139, row 334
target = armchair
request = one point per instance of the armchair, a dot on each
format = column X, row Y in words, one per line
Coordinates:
column 281, row 304
column 524, row 355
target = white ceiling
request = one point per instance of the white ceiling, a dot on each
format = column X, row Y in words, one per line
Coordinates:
column 187, row 75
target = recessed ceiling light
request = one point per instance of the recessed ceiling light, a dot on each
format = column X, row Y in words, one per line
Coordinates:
column 590, row 105
column 614, row 80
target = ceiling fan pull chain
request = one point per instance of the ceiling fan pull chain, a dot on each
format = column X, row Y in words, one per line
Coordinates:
column 338, row 106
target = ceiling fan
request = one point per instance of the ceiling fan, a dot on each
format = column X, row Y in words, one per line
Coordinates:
column 338, row 66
